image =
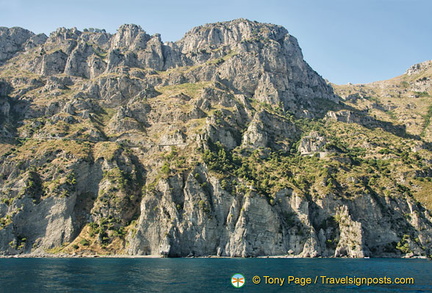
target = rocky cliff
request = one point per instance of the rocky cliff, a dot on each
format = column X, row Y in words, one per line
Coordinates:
column 223, row 143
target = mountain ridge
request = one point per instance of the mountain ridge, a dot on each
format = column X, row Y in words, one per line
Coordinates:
column 225, row 143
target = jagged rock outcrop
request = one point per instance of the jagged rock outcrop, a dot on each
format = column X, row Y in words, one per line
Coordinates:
column 416, row 68
column 13, row 40
column 255, row 59
column 53, row 63
column 122, row 144
column 312, row 143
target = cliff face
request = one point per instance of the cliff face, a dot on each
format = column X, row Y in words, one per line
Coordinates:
column 223, row 143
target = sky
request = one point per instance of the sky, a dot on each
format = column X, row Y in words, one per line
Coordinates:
column 357, row 41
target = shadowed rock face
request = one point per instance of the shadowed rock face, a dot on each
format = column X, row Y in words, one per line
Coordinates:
column 223, row 143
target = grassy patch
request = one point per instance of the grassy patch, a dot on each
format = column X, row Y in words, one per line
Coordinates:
column 190, row 89
column 106, row 150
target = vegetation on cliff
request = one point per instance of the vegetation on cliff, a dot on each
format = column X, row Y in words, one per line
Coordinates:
column 223, row 143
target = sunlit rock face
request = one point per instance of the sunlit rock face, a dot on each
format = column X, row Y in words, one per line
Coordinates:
column 223, row 143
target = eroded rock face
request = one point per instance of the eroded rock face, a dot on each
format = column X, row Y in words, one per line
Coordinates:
column 312, row 143
column 53, row 63
column 122, row 144
column 259, row 60
column 13, row 40
column 186, row 220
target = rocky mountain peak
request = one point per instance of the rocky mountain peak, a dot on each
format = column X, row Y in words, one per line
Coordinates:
column 130, row 36
column 230, row 33
column 66, row 33
column 255, row 59
column 12, row 40
column 224, row 143
column 16, row 34
column 266, row 53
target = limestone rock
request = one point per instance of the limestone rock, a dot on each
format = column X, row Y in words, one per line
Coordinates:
column 12, row 40
column 130, row 36
column 76, row 64
column 122, row 144
column 53, row 63
column 313, row 143
column 351, row 242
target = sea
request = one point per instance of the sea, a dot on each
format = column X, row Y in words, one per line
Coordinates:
column 214, row 275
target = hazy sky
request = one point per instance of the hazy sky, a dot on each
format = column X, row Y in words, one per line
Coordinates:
column 356, row 41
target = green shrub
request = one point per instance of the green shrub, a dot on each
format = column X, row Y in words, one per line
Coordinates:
column 84, row 242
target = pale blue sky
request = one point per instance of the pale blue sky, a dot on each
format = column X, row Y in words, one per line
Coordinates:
column 356, row 41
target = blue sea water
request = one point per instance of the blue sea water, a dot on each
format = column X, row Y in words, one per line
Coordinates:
column 206, row 274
